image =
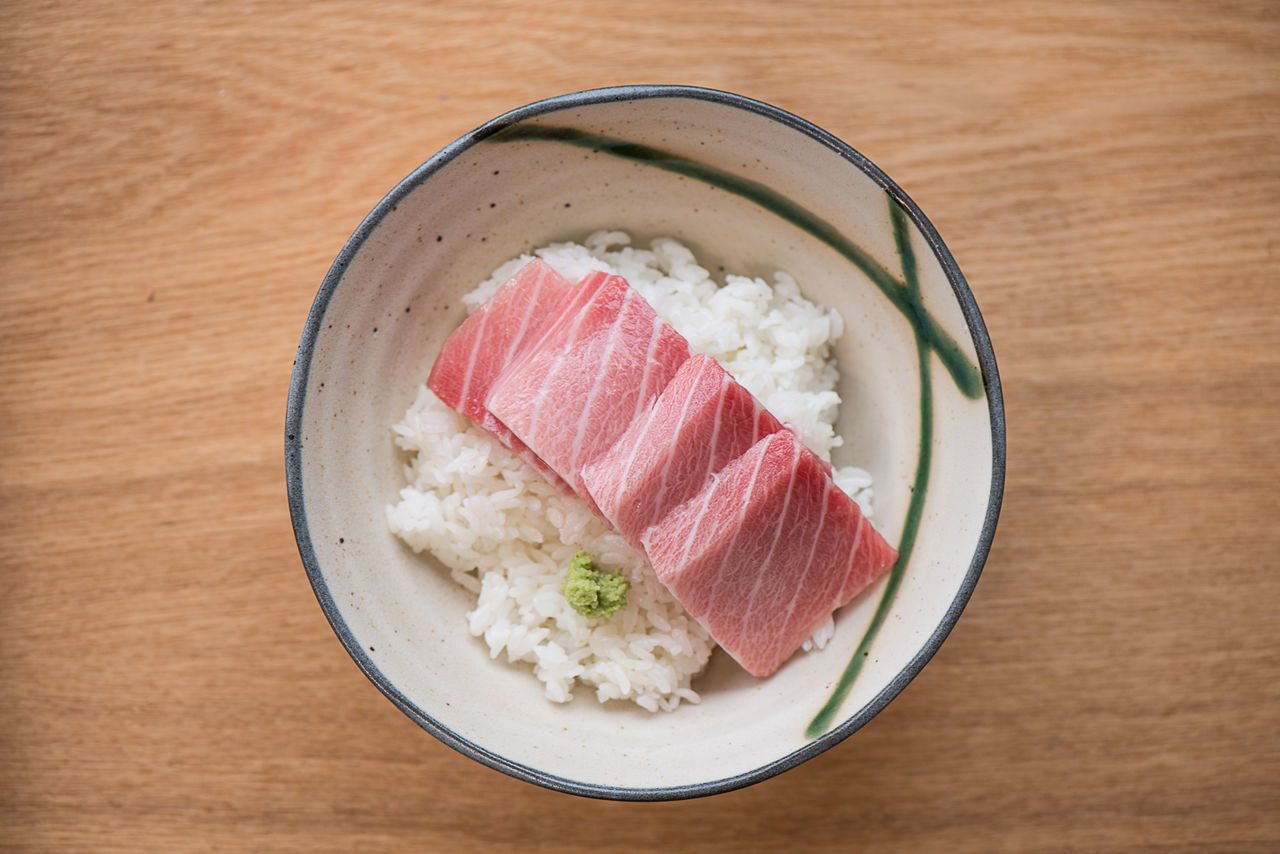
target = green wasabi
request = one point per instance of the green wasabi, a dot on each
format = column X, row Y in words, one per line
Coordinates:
column 591, row 591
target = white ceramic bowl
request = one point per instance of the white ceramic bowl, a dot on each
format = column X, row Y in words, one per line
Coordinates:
column 745, row 185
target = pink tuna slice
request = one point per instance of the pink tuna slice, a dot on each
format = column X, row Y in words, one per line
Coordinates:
column 700, row 422
column 489, row 339
column 594, row 371
column 766, row 551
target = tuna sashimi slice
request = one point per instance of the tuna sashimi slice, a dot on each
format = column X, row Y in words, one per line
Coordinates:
column 766, row 551
column 491, row 337
column 595, row 370
column 700, row 422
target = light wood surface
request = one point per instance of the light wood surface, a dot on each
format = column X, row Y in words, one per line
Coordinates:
column 176, row 178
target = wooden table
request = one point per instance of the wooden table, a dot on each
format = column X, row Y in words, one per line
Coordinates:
column 175, row 180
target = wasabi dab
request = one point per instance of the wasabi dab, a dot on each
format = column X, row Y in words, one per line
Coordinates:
column 593, row 592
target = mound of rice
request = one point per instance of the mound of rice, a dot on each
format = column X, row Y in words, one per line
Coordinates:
column 508, row 536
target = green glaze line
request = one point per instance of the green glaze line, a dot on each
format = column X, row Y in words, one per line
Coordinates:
column 915, row 509
column 904, row 294
column 966, row 375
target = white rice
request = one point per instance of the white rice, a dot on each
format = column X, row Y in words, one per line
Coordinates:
column 508, row 536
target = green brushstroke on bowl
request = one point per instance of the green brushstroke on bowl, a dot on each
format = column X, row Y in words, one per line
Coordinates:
column 904, row 294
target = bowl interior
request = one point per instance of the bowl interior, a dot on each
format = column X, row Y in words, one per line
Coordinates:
column 694, row 167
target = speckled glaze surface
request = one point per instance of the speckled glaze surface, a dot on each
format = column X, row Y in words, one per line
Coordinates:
column 751, row 189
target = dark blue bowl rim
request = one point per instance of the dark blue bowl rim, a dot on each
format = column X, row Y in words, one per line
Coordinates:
column 296, row 404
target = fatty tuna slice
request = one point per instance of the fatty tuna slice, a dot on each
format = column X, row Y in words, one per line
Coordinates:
column 492, row 336
column 766, row 551
column 594, row 371
column 700, row 422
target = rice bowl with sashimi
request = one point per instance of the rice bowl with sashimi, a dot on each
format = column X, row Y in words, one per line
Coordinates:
column 506, row 532
column 748, row 189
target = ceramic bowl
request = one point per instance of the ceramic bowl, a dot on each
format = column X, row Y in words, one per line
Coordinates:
column 747, row 186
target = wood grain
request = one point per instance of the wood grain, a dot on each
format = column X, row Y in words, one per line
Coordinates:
column 175, row 180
